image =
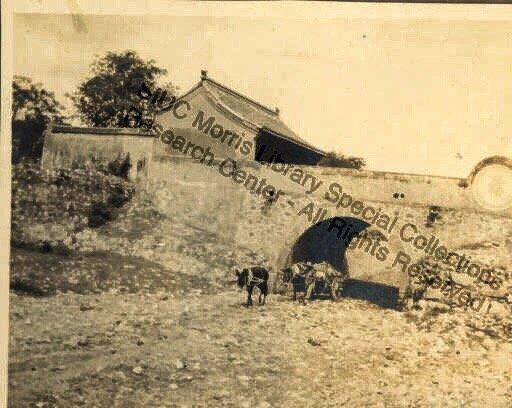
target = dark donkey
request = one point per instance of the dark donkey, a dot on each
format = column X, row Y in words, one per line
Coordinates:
column 251, row 277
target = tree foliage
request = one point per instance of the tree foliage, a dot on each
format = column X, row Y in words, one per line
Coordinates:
column 112, row 90
column 33, row 107
column 333, row 159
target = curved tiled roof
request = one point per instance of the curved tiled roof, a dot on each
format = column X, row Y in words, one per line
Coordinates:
column 254, row 112
column 248, row 111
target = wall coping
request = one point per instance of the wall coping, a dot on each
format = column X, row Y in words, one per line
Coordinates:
column 100, row 131
column 328, row 171
column 325, row 170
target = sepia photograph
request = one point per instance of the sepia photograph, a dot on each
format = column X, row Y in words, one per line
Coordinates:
column 258, row 205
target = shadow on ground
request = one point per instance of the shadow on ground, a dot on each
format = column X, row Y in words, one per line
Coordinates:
column 384, row 296
column 379, row 294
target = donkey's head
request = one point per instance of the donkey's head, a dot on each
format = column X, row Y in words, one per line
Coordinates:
column 241, row 277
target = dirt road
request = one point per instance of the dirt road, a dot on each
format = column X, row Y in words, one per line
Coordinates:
column 201, row 350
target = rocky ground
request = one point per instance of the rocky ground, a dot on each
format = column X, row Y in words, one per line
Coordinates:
column 143, row 311
column 201, row 350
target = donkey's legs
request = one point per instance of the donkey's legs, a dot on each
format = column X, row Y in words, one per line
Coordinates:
column 294, row 286
column 263, row 291
column 249, row 295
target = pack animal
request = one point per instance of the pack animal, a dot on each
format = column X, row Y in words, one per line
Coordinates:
column 296, row 275
column 305, row 277
column 250, row 278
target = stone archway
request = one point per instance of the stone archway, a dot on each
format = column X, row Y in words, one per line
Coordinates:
column 329, row 241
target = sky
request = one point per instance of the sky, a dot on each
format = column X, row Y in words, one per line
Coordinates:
column 407, row 95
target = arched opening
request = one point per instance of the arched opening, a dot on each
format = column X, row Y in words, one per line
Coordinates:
column 328, row 242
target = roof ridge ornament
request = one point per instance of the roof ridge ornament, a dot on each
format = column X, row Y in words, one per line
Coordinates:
column 204, row 74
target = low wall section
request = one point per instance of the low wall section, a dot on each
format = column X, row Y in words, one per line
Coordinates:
column 66, row 146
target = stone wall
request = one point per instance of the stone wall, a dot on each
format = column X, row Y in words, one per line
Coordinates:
column 197, row 195
column 213, row 201
column 279, row 226
column 66, row 146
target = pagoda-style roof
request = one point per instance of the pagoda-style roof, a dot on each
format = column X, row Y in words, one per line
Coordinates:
column 247, row 111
